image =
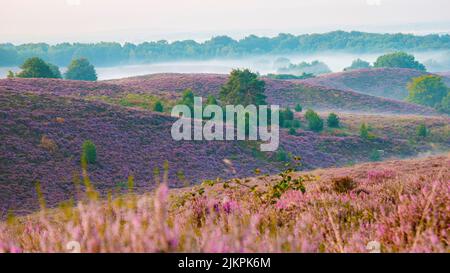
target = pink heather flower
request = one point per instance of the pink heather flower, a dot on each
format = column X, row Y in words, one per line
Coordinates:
column 229, row 205
column 289, row 199
column 378, row 176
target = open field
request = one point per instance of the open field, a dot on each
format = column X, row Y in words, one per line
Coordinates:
column 402, row 205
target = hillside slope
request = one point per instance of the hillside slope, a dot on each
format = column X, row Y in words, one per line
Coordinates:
column 170, row 87
column 399, row 206
column 281, row 92
column 381, row 82
column 42, row 136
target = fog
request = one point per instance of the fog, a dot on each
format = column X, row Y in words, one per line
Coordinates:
column 435, row 61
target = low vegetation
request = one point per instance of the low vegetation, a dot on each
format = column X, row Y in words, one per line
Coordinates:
column 322, row 211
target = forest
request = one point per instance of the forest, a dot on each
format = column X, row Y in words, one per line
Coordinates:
column 113, row 53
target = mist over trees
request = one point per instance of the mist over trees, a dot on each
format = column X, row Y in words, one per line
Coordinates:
column 109, row 53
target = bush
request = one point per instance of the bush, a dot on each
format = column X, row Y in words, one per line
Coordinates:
column 375, row 155
column 298, row 108
column 211, row 100
column 82, row 70
column 364, row 131
column 315, row 123
column 188, row 99
column 333, row 120
column 286, row 117
column 89, row 152
column 281, row 155
column 158, row 107
column 296, row 123
column 422, row 131
column 343, row 184
column 292, row 131
column 287, row 124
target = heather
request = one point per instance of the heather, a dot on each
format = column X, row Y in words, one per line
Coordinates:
column 403, row 205
column 382, row 82
column 169, row 88
column 44, row 129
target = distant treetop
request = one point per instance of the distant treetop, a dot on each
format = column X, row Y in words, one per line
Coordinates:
column 108, row 53
column 81, row 69
column 400, row 60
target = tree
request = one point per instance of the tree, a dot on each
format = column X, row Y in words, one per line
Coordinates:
column 35, row 68
column 375, row 155
column 211, row 100
column 427, row 90
column 364, row 131
column 286, row 117
column 81, row 69
column 55, row 71
column 187, row 98
column 298, row 108
column 333, row 120
column 358, row 64
column 243, row 87
column 315, row 123
column 158, row 107
column 444, row 106
column 422, row 131
column 10, row 74
column 89, row 152
column 399, row 59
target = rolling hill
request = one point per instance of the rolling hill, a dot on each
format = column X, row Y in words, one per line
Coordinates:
column 381, row 82
column 45, row 121
column 395, row 206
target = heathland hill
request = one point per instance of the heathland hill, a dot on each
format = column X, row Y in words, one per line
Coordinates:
column 381, row 82
column 44, row 123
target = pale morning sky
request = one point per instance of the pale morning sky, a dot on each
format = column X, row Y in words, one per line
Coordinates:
column 140, row 20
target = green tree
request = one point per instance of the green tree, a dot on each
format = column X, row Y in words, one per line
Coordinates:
column 358, row 64
column 35, row 68
column 158, row 107
column 55, row 71
column 375, row 155
column 427, row 90
column 444, row 106
column 211, row 100
column 10, row 74
column 298, row 108
column 89, row 152
column 243, row 87
column 81, row 69
column 364, row 131
column 333, row 120
column 187, row 98
column 315, row 123
column 422, row 131
column 399, row 59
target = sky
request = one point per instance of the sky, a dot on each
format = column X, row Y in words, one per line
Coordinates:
column 53, row 21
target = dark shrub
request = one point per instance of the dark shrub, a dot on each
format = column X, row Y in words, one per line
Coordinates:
column 333, row 120
column 89, row 152
column 158, row 107
column 343, row 184
column 315, row 123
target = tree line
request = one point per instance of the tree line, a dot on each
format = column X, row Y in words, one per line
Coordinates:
column 111, row 53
